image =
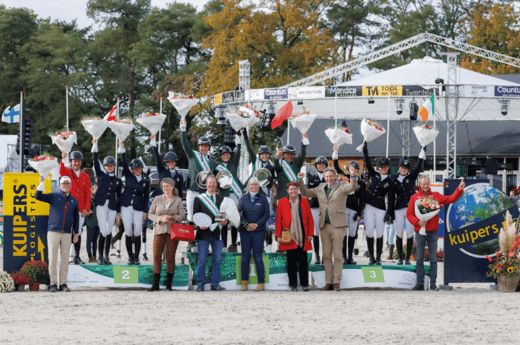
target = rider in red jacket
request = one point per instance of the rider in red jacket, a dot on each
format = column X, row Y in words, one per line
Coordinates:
column 80, row 190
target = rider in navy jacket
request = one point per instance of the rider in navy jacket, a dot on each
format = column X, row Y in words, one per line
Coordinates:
column 170, row 159
column 135, row 193
column 109, row 187
column 63, row 212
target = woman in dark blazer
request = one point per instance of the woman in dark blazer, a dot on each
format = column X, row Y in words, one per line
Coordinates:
column 301, row 230
column 255, row 212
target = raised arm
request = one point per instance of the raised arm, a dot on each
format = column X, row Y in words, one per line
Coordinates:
column 303, row 153
column 348, row 187
column 370, row 169
column 415, row 172
column 236, row 155
column 186, row 145
column 124, row 163
column 307, row 193
column 250, row 150
column 158, row 161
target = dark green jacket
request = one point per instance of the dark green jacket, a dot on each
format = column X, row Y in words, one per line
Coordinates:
column 193, row 164
column 296, row 164
column 233, row 169
column 253, row 157
column 91, row 219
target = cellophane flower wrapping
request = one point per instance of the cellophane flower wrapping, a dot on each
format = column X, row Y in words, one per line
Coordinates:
column 152, row 122
column 424, row 217
column 238, row 122
column 44, row 167
column 96, row 128
column 303, row 122
column 183, row 105
column 338, row 137
column 425, row 136
column 63, row 144
column 230, row 209
column 120, row 129
column 369, row 133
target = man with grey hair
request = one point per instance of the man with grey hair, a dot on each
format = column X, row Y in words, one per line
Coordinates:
column 429, row 234
column 332, row 198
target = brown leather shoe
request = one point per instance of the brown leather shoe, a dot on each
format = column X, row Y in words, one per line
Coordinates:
column 336, row 287
column 327, row 287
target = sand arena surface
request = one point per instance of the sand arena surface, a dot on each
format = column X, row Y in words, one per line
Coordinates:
column 470, row 314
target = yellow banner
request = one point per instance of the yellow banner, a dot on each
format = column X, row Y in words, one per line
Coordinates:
column 382, row 90
column 20, row 192
column 217, row 99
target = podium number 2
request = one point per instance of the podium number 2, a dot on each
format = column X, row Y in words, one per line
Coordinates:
column 126, row 274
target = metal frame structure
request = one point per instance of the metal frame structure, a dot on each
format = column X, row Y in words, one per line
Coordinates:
column 452, row 110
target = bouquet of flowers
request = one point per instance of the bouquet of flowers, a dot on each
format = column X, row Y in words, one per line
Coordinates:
column 182, row 103
column 237, row 120
column 303, row 121
column 95, row 126
column 121, row 128
column 64, row 140
column 6, row 282
column 339, row 136
column 370, row 130
column 246, row 111
column 43, row 164
column 230, row 209
column 152, row 122
column 37, row 270
column 426, row 209
column 425, row 134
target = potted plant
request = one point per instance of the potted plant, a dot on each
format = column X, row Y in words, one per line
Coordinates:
column 505, row 267
column 37, row 271
column 20, row 280
column 6, row 282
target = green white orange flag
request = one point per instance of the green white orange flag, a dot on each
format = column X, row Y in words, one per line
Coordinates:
column 428, row 108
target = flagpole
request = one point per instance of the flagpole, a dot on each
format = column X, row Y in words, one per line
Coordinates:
column 159, row 143
column 336, row 109
column 67, row 105
column 117, row 118
column 21, row 118
column 434, row 144
column 388, row 126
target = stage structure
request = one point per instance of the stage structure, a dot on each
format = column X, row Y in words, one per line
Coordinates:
column 461, row 95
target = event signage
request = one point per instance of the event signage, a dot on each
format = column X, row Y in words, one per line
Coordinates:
column 254, row 95
column 471, row 228
column 507, row 91
column 253, row 276
column 382, row 90
column 307, row 92
column 416, row 90
column 343, row 91
column 25, row 221
column 276, row 93
column 373, row 274
column 126, row 275
column 217, row 99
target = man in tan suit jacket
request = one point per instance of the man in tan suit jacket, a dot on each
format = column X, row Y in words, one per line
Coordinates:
column 332, row 197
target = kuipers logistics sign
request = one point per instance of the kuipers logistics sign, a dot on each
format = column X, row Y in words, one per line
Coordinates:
column 25, row 221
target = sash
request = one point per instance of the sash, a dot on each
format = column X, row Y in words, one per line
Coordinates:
column 288, row 171
column 210, row 204
column 235, row 188
column 202, row 160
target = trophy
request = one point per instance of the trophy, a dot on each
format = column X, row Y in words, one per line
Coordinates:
column 220, row 217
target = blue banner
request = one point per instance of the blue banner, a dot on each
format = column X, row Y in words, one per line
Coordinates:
column 507, row 91
column 276, row 93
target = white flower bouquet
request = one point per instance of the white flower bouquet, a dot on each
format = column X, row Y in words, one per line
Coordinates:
column 95, row 126
column 370, row 131
column 152, row 122
column 64, row 140
column 121, row 128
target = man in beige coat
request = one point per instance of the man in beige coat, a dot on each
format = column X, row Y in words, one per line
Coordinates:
column 332, row 197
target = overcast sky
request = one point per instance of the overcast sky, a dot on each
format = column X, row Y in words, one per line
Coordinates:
column 69, row 10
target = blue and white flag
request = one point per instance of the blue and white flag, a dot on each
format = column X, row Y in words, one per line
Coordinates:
column 11, row 115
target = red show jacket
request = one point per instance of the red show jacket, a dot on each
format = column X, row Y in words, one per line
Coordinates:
column 80, row 186
column 283, row 221
column 432, row 224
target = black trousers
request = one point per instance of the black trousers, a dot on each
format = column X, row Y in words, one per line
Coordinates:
column 234, row 235
column 297, row 262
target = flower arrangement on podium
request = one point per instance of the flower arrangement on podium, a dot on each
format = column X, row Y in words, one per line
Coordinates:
column 95, row 126
column 64, row 140
column 303, row 121
column 37, row 271
column 425, row 209
column 370, row 130
column 182, row 103
column 425, row 134
column 6, row 282
column 121, row 128
column 505, row 267
column 43, row 164
column 151, row 121
column 20, row 280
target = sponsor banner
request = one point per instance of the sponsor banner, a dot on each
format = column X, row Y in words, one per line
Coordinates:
column 276, row 93
column 230, row 271
column 416, row 90
column 343, row 91
column 471, row 228
column 507, row 91
column 25, row 220
column 382, row 90
column 123, row 276
column 478, row 91
column 229, row 97
column 307, row 92
column 254, row 95
column 217, row 99
column 386, row 276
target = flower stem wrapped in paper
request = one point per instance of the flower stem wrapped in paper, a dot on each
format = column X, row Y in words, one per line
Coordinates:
column 303, row 121
column 371, row 131
column 64, row 140
column 339, row 136
column 242, row 118
column 121, row 128
column 426, row 209
column 152, row 122
column 44, row 164
column 425, row 134
column 182, row 103
column 95, row 126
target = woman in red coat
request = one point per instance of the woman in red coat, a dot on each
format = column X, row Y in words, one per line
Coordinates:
column 293, row 214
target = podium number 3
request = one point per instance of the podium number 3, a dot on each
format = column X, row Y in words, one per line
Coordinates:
column 372, row 274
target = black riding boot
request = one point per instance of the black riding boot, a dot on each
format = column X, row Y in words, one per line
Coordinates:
column 370, row 245
column 137, row 243
column 101, row 245
column 399, row 244
column 409, row 246
column 155, row 285
column 351, row 242
column 316, row 243
column 379, row 248
column 129, row 250
column 107, row 249
column 77, row 247
column 168, row 281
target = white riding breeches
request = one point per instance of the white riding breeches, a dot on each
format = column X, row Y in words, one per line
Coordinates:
column 374, row 217
column 129, row 217
column 400, row 221
column 106, row 219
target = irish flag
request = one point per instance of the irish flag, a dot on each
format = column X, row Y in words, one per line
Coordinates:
column 428, row 108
